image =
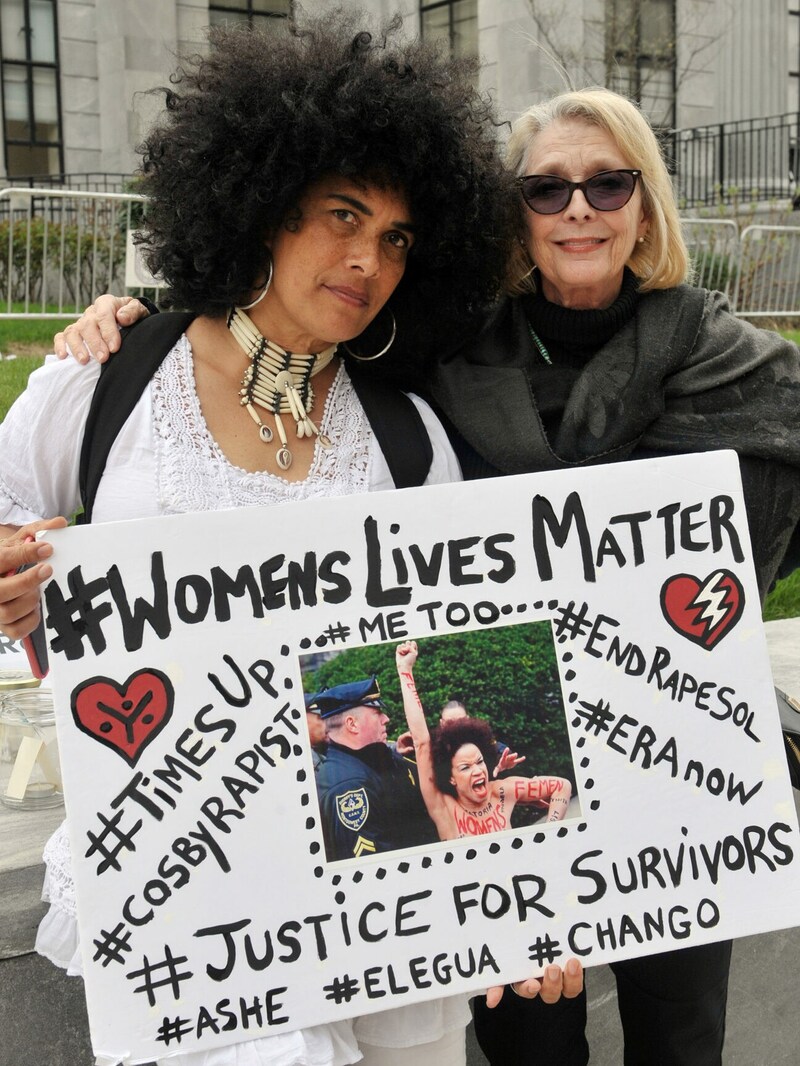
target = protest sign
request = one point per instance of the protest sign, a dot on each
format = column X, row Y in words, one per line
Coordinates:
column 614, row 608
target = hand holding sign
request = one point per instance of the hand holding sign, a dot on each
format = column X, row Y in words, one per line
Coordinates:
column 550, row 987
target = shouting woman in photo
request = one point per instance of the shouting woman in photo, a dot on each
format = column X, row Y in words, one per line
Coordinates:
column 455, row 770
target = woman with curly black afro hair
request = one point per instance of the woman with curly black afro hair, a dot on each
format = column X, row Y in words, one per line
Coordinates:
column 456, row 765
column 253, row 127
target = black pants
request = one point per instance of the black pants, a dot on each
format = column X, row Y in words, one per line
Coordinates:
column 672, row 1008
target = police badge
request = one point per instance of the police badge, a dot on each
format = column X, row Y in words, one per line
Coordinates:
column 353, row 809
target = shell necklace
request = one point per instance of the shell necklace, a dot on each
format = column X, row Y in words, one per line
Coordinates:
column 279, row 382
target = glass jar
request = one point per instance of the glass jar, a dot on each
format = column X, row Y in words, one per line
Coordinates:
column 11, row 679
column 30, row 775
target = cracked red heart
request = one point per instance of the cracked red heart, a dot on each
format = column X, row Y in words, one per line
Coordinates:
column 127, row 717
column 704, row 610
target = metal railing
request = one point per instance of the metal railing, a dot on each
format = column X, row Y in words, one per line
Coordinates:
column 757, row 269
column 768, row 276
column 59, row 249
column 737, row 162
column 89, row 181
column 714, row 248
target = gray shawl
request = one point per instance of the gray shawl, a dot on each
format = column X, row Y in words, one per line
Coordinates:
column 682, row 375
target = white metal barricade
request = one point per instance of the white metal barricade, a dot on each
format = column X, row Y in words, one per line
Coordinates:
column 713, row 245
column 59, row 249
column 768, row 279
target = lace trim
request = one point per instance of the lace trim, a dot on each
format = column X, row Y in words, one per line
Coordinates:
column 193, row 474
column 59, row 885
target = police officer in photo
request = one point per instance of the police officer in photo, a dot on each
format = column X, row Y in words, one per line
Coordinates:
column 316, row 731
column 368, row 795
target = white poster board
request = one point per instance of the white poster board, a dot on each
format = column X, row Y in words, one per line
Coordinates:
column 209, row 909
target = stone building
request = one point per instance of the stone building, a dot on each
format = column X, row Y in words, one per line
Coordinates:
column 76, row 73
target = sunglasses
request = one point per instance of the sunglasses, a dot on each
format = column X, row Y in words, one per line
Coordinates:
column 547, row 194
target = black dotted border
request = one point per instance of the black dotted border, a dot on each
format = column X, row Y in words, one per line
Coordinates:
column 469, row 854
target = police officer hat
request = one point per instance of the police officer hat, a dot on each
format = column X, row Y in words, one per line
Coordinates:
column 366, row 693
column 312, row 707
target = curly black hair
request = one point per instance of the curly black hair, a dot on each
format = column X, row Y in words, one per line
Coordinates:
column 249, row 126
column 449, row 737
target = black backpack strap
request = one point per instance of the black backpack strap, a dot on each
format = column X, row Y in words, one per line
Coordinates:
column 398, row 427
column 122, row 381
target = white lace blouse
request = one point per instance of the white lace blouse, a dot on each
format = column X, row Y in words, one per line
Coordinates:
column 165, row 461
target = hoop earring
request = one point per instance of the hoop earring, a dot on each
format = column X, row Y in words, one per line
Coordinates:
column 263, row 293
column 526, row 281
column 383, row 351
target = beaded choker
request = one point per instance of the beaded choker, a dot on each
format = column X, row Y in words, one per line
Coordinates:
column 279, row 382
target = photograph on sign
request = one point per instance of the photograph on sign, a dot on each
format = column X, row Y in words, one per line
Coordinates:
column 464, row 776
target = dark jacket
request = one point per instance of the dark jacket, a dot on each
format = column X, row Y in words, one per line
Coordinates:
column 370, row 802
column 683, row 375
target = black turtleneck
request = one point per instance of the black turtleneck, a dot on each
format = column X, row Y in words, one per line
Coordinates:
column 571, row 339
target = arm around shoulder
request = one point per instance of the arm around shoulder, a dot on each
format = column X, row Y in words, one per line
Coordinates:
column 96, row 334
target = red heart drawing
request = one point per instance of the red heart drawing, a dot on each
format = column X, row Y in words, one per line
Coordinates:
column 705, row 611
column 126, row 718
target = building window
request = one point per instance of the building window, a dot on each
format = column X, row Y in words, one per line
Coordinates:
column 264, row 14
column 455, row 21
column 31, row 99
column 640, row 55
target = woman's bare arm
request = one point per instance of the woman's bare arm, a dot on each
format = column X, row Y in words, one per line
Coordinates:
column 405, row 658
column 554, row 793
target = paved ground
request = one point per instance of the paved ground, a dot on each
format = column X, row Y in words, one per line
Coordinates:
column 44, row 1018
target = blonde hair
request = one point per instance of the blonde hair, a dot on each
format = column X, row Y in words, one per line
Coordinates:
column 662, row 260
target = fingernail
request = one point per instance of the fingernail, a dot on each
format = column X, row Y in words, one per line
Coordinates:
column 553, row 973
column 573, row 967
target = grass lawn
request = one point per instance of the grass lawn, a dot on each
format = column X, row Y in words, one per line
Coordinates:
column 29, row 340
column 30, row 336
column 35, row 338
column 784, row 600
column 13, row 377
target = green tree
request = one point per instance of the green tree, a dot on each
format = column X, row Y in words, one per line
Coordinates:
column 509, row 676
